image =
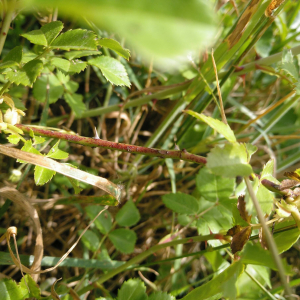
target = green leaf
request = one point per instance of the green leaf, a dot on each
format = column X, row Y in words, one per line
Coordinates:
column 288, row 64
column 42, row 175
column 163, row 29
column 45, row 35
column 56, row 153
column 251, row 149
column 230, row 161
column 111, row 69
column 132, row 289
column 9, row 289
column 36, row 139
column 123, row 239
column 13, row 57
column 77, row 39
column 40, row 88
column 28, row 282
column 214, row 188
column 223, row 283
column 128, row 215
column 90, row 240
column 217, row 125
column 265, row 199
column 26, row 75
column 75, row 102
column 268, row 171
column 14, row 139
column 254, row 254
column 115, row 46
column 181, row 203
column 76, row 187
column 103, row 222
column 28, row 148
column 67, row 66
column 161, row 296
column 78, row 54
column 285, row 240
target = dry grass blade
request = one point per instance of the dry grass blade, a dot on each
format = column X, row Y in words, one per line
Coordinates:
column 48, row 163
column 21, row 201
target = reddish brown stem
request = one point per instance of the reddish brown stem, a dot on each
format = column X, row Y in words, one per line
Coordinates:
column 93, row 142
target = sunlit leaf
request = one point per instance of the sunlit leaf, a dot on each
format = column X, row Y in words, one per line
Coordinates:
column 111, row 69
column 42, row 175
column 77, row 39
column 115, row 46
column 230, row 161
column 45, row 35
column 216, row 124
column 132, row 289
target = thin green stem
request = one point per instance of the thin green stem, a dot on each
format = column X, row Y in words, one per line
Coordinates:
column 269, row 238
column 145, row 254
column 6, row 23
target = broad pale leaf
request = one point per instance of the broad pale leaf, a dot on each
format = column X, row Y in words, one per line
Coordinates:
column 75, row 102
column 128, row 215
column 230, row 161
column 111, row 69
column 218, row 284
column 14, row 139
column 40, row 88
column 81, row 53
column 181, row 203
column 115, row 46
column 133, row 289
column 161, row 296
column 77, row 39
column 123, row 239
column 42, row 175
column 217, row 125
column 160, row 29
column 265, row 199
column 214, row 188
column 26, row 75
column 45, row 35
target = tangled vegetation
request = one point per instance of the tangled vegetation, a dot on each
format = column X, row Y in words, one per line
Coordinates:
column 144, row 149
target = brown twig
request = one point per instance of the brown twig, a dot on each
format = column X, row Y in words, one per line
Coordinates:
column 92, row 142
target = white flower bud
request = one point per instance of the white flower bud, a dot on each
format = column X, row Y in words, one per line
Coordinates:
column 12, row 117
